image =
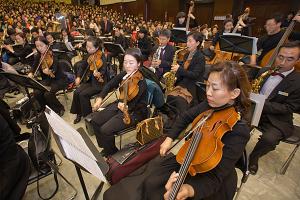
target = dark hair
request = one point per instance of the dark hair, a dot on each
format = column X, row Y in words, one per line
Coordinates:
column 42, row 39
column 48, row 33
column 136, row 53
column 165, row 32
column 34, row 30
column 277, row 17
column 97, row 42
column 292, row 44
column 234, row 76
column 227, row 20
column 196, row 36
column 22, row 35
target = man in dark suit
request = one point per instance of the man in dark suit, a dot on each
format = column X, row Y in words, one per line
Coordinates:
column 282, row 90
column 106, row 25
column 163, row 54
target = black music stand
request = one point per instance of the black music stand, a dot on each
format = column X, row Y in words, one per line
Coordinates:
column 178, row 36
column 113, row 48
column 26, row 82
column 238, row 44
column 67, row 147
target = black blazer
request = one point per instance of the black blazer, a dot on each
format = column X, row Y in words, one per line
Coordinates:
column 167, row 58
column 282, row 103
column 109, row 27
column 220, row 182
column 22, row 52
column 144, row 44
column 188, row 78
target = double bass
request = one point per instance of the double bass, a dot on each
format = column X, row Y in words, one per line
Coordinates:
column 269, row 59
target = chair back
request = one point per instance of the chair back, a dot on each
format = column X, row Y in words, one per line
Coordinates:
column 155, row 94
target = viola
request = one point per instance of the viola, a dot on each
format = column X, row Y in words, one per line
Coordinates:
column 128, row 91
column 204, row 150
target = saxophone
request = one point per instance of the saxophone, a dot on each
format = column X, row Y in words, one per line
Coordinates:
column 256, row 83
column 170, row 77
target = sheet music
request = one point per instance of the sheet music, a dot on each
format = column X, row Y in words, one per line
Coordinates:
column 259, row 101
column 74, row 145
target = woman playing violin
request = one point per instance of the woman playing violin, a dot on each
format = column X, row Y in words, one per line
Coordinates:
column 52, row 75
column 227, row 88
column 93, row 69
column 109, row 121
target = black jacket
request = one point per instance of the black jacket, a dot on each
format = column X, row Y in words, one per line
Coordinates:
column 144, row 44
column 22, row 52
column 219, row 183
column 55, row 67
column 188, row 78
column 109, row 27
column 282, row 103
column 138, row 105
column 167, row 58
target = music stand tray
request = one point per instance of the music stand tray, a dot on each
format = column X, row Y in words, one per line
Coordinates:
column 114, row 48
column 238, row 44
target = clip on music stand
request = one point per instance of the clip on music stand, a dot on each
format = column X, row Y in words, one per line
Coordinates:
column 26, row 82
column 238, row 44
column 178, row 36
column 76, row 146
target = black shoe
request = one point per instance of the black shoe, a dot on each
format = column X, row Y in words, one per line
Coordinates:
column 61, row 113
column 253, row 168
column 77, row 119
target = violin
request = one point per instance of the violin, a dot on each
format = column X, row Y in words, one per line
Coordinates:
column 128, row 91
column 204, row 150
column 95, row 63
column 46, row 62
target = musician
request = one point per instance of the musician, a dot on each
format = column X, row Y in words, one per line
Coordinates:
column 181, row 20
column 227, row 28
column 52, row 75
column 68, row 40
column 106, row 25
column 11, row 37
column 268, row 42
column 35, row 34
column 227, row 86
column 164, row 52
column 81, row 105
column 184, row 94
column 282, row 90
column 119, row 38
column 20, row 52
column 144, row 43
column 109, row 121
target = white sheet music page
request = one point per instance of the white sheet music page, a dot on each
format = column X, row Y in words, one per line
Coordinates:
column 259, row 101
column 74, row 145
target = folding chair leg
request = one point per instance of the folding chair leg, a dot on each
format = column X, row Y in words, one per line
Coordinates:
column 288, row 161
column 238, row 191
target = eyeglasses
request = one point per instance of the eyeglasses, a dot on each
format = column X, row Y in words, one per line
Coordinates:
column 288, row 59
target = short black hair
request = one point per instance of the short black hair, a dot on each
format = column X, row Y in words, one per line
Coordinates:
column 136, row 53
column 227, row 20
column 165, row 32
column 291, row 44
column 278, row 17
column 97, row 42
column 196, row 35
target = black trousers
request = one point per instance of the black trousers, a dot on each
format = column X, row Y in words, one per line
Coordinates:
column 81, row 104
column 148, row 182
column 106, row 124
column 49, row 98
column 271, row 136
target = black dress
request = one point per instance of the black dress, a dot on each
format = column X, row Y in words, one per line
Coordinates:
column 148, row 182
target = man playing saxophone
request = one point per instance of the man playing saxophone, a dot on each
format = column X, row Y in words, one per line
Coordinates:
column 163, row 54
column 281, row 86
column 183, row 94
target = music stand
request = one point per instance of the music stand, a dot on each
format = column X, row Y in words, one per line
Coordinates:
column 26, row 82
column 76, row 146
column 238, row 44
column 178, row 35
column 114, row 48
